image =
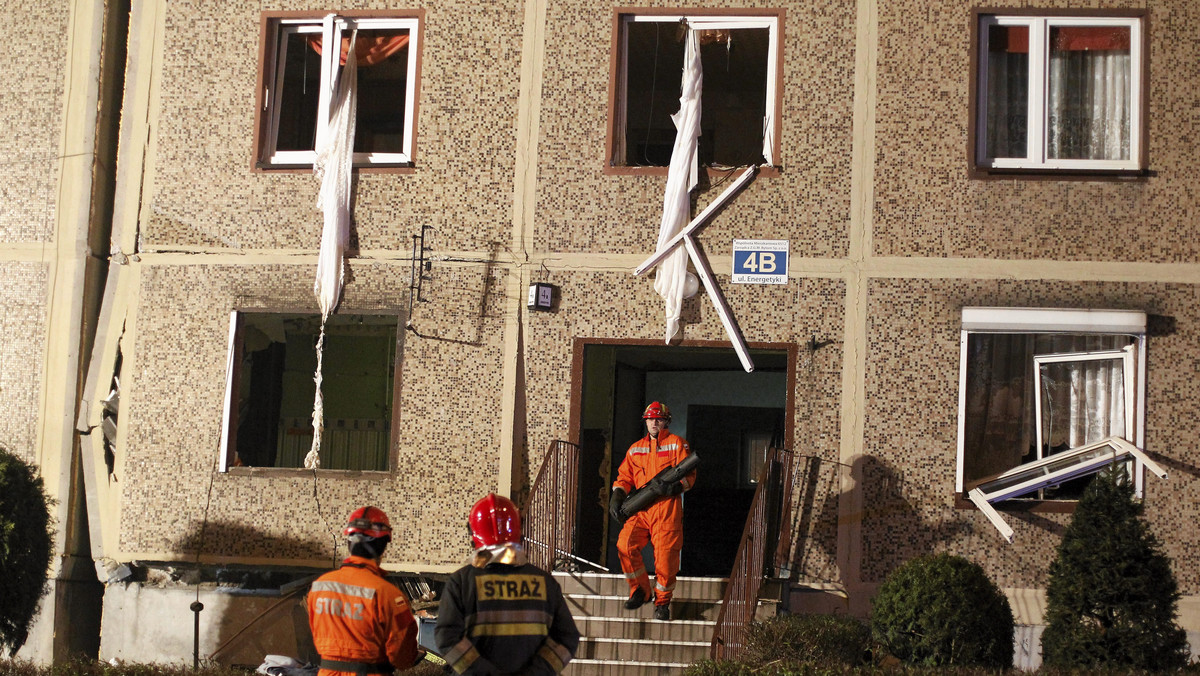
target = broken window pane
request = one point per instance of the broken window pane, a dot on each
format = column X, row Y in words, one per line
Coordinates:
column 271, row 425
column 1081, row 399
column 733, row 99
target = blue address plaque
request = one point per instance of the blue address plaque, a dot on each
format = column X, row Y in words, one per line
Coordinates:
column 760, row 261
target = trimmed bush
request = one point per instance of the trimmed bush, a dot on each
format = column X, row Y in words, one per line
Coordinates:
column 942, row 610
column 1112, row 597
column 25, row 548
column 810, row 639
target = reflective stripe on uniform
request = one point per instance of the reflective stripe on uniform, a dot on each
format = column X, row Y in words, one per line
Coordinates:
column 555, row 654
column 511, row 617
column 343, row 588
column 508, row 629
column 635, row 574
column 462, row 656
column 662, row 588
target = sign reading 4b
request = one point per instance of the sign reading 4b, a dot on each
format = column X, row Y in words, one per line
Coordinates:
column 760, row 261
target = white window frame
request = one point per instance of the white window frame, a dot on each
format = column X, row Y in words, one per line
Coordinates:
column 1128, row 373
column 332, row 33
column 1052, row 471
column 1036, row 153
column 977, row 320
column 700, row 22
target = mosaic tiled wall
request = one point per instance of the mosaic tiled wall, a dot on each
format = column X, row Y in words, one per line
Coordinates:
column 911, row 425
column 31, row 101
column 205, row 193
column 23, row 328
column 618, row 305
column 448, row 433
column 925, row 205
column 580, row 209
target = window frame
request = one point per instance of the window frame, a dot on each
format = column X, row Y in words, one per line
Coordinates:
column 271, row 63
column 772, row 19
column 1016, row 320
column 233, row 375
column 1035, row 161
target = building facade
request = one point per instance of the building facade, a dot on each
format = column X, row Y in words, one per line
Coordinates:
column 931, row 166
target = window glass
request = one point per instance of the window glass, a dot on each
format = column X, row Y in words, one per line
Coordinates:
column 1008, row 90
column 382, row 91
column 299, row 92
column 1089, row 95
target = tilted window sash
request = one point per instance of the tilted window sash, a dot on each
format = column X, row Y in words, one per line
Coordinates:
column 1054, row 470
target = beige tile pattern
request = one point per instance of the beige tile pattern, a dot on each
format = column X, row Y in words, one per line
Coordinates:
column 580, row 209
column 23, row 325
column 925, row 205
column 911, row 425
column 31, row 104
column 205, row 193
column 448, row 443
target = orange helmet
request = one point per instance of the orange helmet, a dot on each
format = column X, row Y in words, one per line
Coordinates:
column 657, row 410
column 368, row 521
column 495, row 520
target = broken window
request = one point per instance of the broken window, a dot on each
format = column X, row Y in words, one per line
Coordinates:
column 1036, row 385
column 269, row 391
column 738, row 121
column 298, row 78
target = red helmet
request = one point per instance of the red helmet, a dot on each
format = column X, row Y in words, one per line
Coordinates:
column 369, row 521
column 657, row 410
column 494, row 520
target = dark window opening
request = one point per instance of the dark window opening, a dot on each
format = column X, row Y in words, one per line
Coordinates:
column 271, row 423
column 733, row 97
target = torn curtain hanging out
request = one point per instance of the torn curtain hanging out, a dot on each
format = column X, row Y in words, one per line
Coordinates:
column 681, row 179
column 335, row 158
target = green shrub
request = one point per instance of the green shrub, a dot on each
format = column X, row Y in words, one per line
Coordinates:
column 943, row 610
column 25, row 548
column 810, row 639
column 1112, row 597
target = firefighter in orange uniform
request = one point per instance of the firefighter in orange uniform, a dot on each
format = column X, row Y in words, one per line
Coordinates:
column 502, row 614
column 660, row 524
column 361, row 623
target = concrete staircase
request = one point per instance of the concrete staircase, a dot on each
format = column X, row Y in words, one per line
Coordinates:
column 619, row 642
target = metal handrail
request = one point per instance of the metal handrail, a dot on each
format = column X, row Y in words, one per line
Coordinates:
column 769, row 519
column 548, row 519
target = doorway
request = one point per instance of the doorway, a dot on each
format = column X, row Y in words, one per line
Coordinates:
column 729, row 418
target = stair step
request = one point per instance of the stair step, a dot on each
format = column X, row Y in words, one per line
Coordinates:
column 607, row 584
column 591, row 605
column 589, row 667
column 636, row 628
column 626, row 650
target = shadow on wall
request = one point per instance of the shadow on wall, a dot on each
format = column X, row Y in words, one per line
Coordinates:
column 225, row 539
column 893, row 530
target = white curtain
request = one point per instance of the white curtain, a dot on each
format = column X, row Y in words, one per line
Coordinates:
column 681, row 178
column 1089, row 104
column 333, row 166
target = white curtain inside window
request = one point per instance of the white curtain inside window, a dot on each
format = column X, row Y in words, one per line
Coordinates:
column 1088, row 105
column 1083, row 401
column 333, row 166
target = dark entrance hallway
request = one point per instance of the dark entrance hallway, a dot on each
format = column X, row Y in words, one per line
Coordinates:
column 729, row 418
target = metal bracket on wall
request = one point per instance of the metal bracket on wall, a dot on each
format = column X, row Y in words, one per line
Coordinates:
column 420, row 266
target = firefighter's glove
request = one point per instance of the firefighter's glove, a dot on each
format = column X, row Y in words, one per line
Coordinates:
column 614, row 505
column 664, row 488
